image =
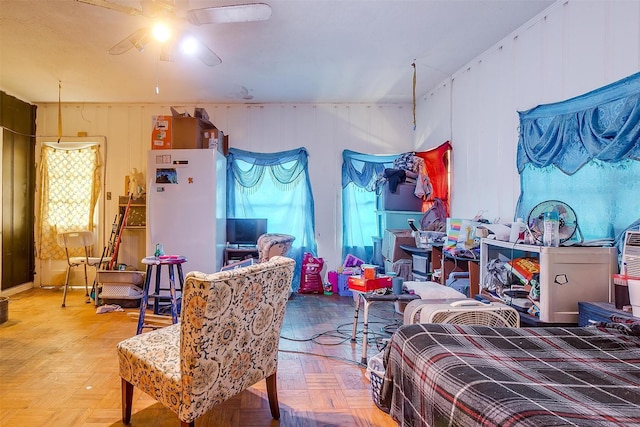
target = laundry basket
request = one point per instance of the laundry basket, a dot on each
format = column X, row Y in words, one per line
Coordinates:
column 463, row 312
column 375, row 372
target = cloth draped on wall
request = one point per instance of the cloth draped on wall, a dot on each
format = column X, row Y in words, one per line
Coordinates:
column 359, row 174
column 436, row 162
column 275, row 186
column 584, row 151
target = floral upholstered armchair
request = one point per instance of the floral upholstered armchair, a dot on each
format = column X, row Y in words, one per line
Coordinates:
column 273, row 244
column 226, row 341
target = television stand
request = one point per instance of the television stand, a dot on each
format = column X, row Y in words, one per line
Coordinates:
column 234, row 253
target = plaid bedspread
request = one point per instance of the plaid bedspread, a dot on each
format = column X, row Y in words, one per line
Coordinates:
column 455, row 375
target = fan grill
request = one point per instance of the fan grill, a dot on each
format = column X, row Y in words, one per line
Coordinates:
column 568, row 221
column 462, row 312
column 499, row 318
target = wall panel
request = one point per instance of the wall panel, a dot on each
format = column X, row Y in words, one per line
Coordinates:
column 324, row 129
column 571, row 48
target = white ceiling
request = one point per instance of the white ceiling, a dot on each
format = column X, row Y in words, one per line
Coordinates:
column 308, row 51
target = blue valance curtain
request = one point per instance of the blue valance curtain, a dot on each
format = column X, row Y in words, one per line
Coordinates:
column 359, row 174
column 584, row 151
column 603, row 125
column 275, row 186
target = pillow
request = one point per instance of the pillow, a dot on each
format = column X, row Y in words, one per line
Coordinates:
column 432, row 290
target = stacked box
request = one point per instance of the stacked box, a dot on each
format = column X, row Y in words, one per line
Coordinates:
column 391, row 241
column 343, row 285
column 360, row 284
column 185, row 133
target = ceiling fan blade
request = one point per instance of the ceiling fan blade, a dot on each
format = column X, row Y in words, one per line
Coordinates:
column 137, row 39
column 113, row 6
column 207, row 56
column 227, row 14
column 171, row 51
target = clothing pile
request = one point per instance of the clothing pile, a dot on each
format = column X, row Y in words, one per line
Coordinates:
column 407, row 168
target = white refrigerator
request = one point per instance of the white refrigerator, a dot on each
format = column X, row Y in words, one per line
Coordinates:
column 186, row 206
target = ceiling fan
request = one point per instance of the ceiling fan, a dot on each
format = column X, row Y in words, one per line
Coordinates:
column 178, row 14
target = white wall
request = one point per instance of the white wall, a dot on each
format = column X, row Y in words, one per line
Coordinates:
column 572, row 48
column 324, row 129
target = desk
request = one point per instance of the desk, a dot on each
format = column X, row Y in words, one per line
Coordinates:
column 158, row 262
column 448, row 263
column 370, row 298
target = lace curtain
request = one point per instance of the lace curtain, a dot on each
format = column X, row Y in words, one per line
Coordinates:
column 584, row 152
column 275, row 186
column 69, row 188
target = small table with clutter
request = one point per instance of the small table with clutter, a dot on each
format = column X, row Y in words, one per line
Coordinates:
column 158, row 262
column 371, row 290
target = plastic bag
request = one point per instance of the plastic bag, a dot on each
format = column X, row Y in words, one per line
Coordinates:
column 497, row 278
column 311, row 277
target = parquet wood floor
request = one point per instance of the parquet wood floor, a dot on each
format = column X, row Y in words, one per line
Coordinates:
column 58, row 367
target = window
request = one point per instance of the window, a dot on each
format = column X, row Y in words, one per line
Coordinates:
column 584, row 151
column 69, row 188
column 275, row 186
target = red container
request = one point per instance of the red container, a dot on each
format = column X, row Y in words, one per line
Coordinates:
column 360, row 284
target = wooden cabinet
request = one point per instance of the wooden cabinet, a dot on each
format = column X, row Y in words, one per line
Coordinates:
column 235, row 253
column 567, row 275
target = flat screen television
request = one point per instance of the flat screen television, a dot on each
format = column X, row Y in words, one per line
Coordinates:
column 245, row 231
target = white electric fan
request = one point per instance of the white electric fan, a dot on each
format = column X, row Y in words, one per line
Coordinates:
column 566, row 215
column 463, row 312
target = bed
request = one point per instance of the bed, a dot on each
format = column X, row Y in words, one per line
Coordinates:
column 461, row 375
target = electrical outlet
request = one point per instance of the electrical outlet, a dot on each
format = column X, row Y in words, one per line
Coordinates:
column 108, row 195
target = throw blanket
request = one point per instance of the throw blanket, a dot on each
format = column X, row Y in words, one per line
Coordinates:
column 461, row 375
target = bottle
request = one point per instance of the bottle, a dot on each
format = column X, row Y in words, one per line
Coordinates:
column 516, row 230
column 551, row 227
column 159, row 250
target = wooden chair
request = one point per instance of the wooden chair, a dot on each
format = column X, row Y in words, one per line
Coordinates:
column 79, row 240
column 226, row 341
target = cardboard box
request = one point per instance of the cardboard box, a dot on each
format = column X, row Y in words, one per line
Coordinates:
column 360, row 284
column 179, row 133
column 161, row 132
column 215, row 139
column 391, row 242
column 188, row 132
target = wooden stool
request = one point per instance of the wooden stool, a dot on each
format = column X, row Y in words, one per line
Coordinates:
column 158, row 262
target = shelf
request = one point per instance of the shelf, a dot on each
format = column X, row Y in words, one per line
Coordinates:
column 232, row 253
column 567, row 275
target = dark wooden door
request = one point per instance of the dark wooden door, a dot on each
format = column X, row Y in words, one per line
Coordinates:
column 18, row 190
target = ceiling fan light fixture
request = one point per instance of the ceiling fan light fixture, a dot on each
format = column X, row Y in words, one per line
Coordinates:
column 161, row 32
column 189, row 46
